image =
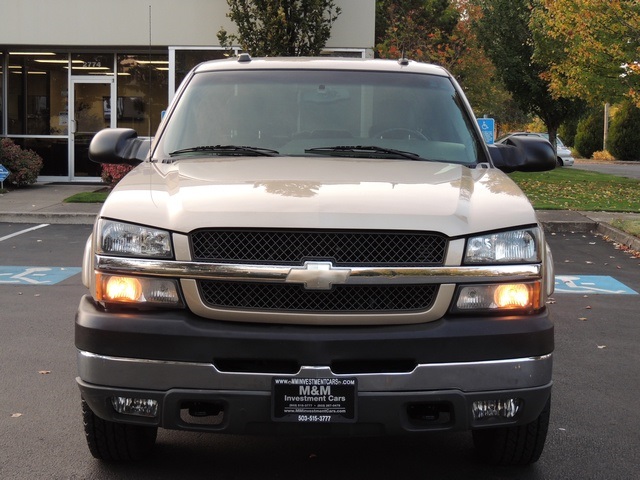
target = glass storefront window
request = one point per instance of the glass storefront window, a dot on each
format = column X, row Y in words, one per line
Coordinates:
column 37, row 94
column 142, row 91
column 1, row 93
column 54, row 153
column 187, row 59
column 92, row 64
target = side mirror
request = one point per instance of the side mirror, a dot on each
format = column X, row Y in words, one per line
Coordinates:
column 523, row 154
column 119, row 145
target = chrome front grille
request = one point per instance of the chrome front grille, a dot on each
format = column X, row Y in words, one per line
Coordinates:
column 343, row 249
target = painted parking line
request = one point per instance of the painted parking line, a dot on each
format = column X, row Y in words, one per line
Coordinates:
column 27, row 230
column 591, row 284
column 36, row 275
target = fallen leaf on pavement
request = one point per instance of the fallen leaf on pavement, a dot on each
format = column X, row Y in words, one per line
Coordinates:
column 16, row 415
column 44, row 372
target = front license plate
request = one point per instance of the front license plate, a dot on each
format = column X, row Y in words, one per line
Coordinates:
column 314, row 400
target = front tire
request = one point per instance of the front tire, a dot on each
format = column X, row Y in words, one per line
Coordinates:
column 116, row 442
column 520, row 445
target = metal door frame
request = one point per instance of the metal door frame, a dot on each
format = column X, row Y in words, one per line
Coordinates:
column 76, row 79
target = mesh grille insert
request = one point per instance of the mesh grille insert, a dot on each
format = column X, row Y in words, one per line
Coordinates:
column 344, row 248
column 341, row 298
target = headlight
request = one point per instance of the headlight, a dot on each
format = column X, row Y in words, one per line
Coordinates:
column 517, row 246
column 137, row 291
column 118, row 238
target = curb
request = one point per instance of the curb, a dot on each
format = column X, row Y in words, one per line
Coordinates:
column 618, row 236
column 591, row 226
column 51, row 218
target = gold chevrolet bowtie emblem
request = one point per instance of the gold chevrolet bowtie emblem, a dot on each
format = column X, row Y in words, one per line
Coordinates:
column 318, row 275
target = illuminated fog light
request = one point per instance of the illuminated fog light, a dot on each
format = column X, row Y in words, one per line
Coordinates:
column 124, row 289
column 516, row 295
column 142, row 407
column 506, row 408
column 499, row 297
column 147, row 291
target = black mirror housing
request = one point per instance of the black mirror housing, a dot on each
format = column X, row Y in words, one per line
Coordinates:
column 119, row 146
column 523, row 154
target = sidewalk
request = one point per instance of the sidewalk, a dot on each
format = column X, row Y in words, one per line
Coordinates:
column 43, row 203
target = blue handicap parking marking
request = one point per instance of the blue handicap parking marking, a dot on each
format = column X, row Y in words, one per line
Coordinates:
column 36, row 275
column 592, row 284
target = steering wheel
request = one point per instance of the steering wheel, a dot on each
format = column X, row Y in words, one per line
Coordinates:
column 401, row 134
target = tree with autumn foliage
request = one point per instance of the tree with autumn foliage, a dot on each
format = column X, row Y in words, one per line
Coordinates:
column 419, row 29
column 438, row 31
column 598, row 48
column 280, row 27
column 504, row 29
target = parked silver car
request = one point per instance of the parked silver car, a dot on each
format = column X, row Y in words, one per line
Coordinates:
column 564, row 155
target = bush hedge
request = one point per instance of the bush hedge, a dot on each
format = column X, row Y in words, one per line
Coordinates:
column 24, row 165
column 589, row 134
column 112, row 174
column 624, row 133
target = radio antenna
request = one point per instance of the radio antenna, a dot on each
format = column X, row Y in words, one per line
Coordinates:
column 150, row 72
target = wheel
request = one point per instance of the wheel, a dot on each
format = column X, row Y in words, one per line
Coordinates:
column 401, row 134
column 559, row 162
column 116, row 442
column 521, row 445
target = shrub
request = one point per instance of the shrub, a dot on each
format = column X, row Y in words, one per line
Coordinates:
column 24, row 165
column 589, row 134
column 624, row 133
column 603, row 155
column 112, row 174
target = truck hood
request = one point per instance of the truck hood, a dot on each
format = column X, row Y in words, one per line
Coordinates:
column 318, row 192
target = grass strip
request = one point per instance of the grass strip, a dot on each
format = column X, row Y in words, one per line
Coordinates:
column 573, row 189
column 87, row 197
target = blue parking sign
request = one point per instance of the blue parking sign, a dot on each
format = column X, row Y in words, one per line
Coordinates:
column 4, row 173
column 487, row 127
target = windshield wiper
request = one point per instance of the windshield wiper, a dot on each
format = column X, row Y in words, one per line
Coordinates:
column 227, row 150
column 363, row 150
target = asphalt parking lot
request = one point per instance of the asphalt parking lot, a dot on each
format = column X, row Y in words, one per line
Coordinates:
column 593, row 432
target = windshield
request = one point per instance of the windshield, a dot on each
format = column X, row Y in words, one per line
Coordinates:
column 320, row 112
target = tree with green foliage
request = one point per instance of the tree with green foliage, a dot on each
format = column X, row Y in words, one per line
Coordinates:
column 624, row 133
column 280, row 27
column 503, row 28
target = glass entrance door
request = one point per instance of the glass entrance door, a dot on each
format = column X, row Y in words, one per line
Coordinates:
column 90, row 110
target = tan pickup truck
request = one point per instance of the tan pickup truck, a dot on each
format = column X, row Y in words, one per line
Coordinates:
column 317, row 247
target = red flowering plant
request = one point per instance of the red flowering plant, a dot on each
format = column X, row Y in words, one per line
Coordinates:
column 24, row 165
column 112, row 174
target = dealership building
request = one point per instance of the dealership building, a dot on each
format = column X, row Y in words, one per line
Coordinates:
column 70, row 68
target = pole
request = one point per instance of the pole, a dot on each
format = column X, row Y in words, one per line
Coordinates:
column 606, row 126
